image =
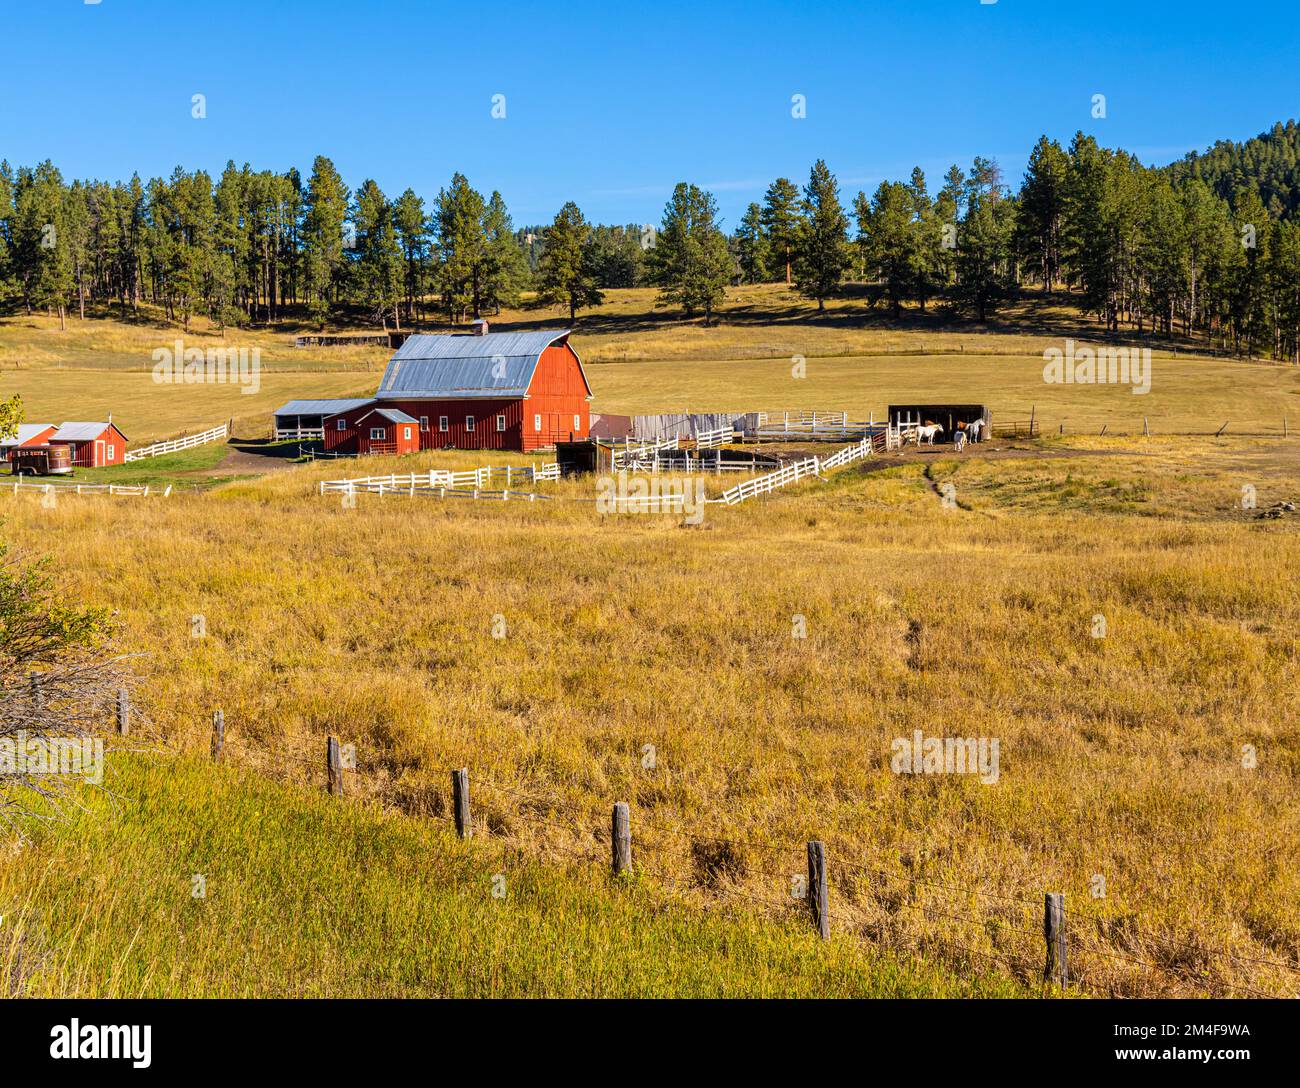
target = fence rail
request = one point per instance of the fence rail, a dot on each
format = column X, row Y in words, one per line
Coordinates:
column 719, row 436
column 216, row 434
column 141, row 490
column 443, row 482
column 300, row 434
column 794, row 472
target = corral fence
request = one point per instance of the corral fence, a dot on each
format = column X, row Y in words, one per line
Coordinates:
column 446, row 483
column 174, row 445
column 794, row 472
column 300, row 434
column 125, row 490
column 1027, row 936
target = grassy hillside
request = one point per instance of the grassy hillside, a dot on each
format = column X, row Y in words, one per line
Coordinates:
column 308, row 897
column 641, row 359
column 1121, row 756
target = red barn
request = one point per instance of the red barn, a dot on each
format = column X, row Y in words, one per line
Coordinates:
column 92, row 445
column 479, row 390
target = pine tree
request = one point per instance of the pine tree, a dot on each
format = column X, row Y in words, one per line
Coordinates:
column 884, row 228
column 378, row 264
column 690, row 262
column 822, row 254
column 506, row 269
column 780, row 218
column 326, row 209
column 753, row 249
column 1042, row 209
column 462, row 248
column 564, row 270
column 413, row 236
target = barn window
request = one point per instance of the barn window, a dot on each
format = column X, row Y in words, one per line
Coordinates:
column 469, row 423
column 442, row 423
column 377, row 434
column 406, row 433
column 424, row 423
column 577, row 423
column 537, row 423
column 109, row 454
column 341, row 425
column 501, row 423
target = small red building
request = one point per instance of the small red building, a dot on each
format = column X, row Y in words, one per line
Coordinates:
column 386, row 430
column 478, row 390
column 29, row 434
column 92, row 445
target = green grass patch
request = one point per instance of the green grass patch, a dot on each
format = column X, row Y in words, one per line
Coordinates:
column 306, row 896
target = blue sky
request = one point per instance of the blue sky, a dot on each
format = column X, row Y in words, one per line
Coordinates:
column 611, row 104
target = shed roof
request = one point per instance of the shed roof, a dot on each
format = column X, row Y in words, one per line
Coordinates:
column 321, row 407
column 26, row 432
column 393, row 415
column 80, row 432
column 468, row 366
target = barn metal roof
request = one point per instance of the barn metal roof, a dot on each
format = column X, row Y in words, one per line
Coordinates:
column 26, row 432
column 393, row 415
column 321, row 407
column 79, row 432
column 497, row 364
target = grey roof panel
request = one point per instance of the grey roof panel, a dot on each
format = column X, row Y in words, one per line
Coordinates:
column 321, row 407
column 79, row 432
column 26, row 432
column 499, row 364
column 393, row 415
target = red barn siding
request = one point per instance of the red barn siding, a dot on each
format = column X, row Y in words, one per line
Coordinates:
column 558, row 393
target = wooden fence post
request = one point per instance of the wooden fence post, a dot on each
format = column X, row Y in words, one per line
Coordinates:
column 1146, row 428
column 1221, row 429
column 460, row 802
column 123, row 712
column 334, row 766
column 218, row 734
column 1056, row 968
column 621, row 839
column 818, row 892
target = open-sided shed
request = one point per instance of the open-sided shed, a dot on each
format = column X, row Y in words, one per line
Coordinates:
column 951, row 417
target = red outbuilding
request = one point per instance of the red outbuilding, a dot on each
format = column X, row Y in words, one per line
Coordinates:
column 478, row 390
column 92, row 445
column 29, row 434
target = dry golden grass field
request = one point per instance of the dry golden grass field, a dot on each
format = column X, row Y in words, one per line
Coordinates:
column 770, row 655
column 643, row 360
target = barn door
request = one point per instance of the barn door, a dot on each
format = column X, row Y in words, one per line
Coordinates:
column 99, row 453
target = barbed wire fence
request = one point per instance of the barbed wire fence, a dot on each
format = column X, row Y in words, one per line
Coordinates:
column 1031, row 940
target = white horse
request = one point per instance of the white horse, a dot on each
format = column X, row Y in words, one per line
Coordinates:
column 927, row 434
column 959, row 442
column 975, row 429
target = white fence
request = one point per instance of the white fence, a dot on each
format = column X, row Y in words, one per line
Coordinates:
column 719, row 436
column 142, row 490
column 422, row 483
column 793, row 472
column 175, row 444
column 644, row 454
column 300, row 434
